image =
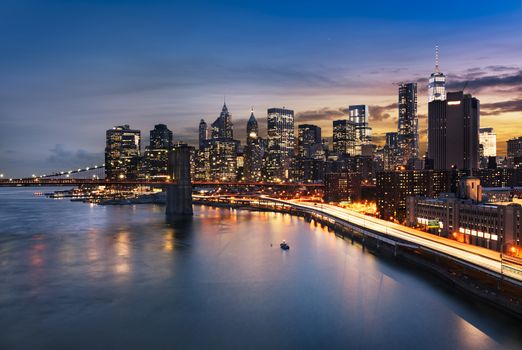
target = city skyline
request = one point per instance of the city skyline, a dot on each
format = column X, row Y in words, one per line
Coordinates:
column 82, row 79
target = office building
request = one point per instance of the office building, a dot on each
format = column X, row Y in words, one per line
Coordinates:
column 437, row 82
column 394, row 187
column 156, row 157
column 222, row 126
column 281, row 143
column 453, row 131
column 488, row 140
column 223, row 159
column 514, row 147
column 203, row 133
column 359, row 116
column 342, row 186
column 408, row 134
column 390, row 151
column 344, row 137
column 253, row 152
column 122, row 153
column 308, row 140
column 466, row 218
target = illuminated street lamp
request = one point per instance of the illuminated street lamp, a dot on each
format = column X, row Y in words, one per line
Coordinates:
column 514, row 250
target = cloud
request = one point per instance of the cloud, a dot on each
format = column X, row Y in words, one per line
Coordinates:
column 497, row 108
column 457, row 82
column 322, row 114
column 380, row 113
column 62, row 158
column 379, row 139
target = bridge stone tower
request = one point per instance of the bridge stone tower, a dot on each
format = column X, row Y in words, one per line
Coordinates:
column 179, row 194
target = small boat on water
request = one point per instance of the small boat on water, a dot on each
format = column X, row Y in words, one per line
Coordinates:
column 284, row 246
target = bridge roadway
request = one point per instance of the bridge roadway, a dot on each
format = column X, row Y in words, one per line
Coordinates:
column 101, row 182
column 486, row 260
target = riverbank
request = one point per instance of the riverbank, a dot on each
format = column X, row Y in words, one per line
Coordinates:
column 484, row 289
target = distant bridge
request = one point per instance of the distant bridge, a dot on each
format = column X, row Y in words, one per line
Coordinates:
column 49, row 181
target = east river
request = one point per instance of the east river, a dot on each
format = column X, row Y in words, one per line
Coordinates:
column 80, row 276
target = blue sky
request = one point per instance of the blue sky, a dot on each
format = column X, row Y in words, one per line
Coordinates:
column 69, row 70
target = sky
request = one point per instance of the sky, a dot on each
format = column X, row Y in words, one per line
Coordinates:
column 70, row 70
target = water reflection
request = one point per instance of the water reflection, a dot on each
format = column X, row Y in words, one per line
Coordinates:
column 138, row 282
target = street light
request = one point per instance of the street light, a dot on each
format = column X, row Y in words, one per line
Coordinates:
column 502, row 259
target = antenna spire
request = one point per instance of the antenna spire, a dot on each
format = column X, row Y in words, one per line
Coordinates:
column 436, row 58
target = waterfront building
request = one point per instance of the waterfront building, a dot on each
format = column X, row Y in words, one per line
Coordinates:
column 453, row 131
column 154, row 164
column 466, row 219
column 344, row 137
column 122, row 153
column 202, row 164
column 223, row 159
column 408, row 133
column 394, row 187
column 281, row 143
column 342, row 186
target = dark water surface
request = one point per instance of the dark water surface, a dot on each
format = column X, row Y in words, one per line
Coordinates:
column 78, row 276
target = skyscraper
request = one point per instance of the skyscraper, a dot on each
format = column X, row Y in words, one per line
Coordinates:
column 390, row 151
column 437, row 82
column 222, row 126
column 203, row 133
column 308, row 138
column 359, row 116
column 281, row 143
column 122, row 153
column 408, row 134
column 223, row 148
column 344, row 137
column 514, row 147
column 453, row 131
column 488, row 140
column 253, row 152
column 156, row 158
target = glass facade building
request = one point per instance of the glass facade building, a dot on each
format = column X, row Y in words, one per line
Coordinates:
column 408, row 133
column 359, row 116
column 344, row 137
column 122, row 153
column 281, row 143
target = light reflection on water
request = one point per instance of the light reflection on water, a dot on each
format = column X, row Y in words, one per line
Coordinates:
column 80, row 276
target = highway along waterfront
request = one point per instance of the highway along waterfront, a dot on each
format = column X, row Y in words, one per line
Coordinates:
column 84, row 276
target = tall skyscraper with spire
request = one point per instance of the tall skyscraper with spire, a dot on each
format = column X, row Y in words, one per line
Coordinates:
column 222, row 126
column 222, row 148
column 253, row 152
column 437, row 82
